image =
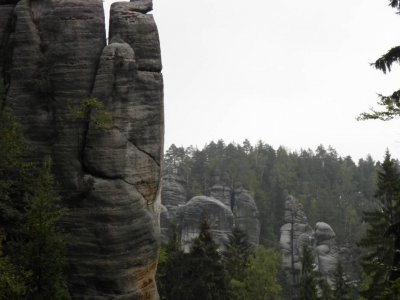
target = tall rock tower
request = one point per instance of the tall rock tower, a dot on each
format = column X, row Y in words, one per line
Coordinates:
column 53, row 54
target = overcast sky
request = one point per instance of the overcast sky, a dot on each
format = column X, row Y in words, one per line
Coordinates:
column 292, row 73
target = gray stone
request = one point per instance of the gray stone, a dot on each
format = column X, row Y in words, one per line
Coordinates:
column 324, row 232
column 221, row 193
column 220, row 218
column 322, row 242
column 326, row 250
column 246, row 216
column 165, row 224
column 138, row 30
column 294, row 211
column 54, row 54
column 173, row 194
column 143, row 6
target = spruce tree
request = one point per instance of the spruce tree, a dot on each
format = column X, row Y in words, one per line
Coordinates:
column 207, row 276
column 236, row 257
column 172, row 270
column 382, row 240
column 341, row 287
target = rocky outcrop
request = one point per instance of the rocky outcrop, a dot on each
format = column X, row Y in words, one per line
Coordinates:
column 173, row 195
column 247, row 215
column 218, row 208
column 53, row 54
column 221, row 193
column 297, row 232
column 220, row 217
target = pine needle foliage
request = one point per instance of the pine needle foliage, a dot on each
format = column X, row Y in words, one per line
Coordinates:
column 382, row 240
column 236, row 257
column 391, row 103
column 91, row 111
column 341, row 287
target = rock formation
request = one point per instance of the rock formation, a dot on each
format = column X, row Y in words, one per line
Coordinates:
column 187, row 215
column 246, row 215
column 53, row 54
column 297, row 232
column 220, row 217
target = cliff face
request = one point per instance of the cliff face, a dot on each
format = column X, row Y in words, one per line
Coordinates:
column 53, row 54
column 187, row 215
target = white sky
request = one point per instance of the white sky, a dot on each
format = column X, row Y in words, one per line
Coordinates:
column 292, row 73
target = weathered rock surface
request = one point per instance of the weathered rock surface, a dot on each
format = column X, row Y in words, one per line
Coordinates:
column 326, row 249
column 221, row 193
column 247, row 216
column 218, row 208
column 220, row 217
column 173, row 195
column 128, row 23
column 53, row 54
column 322, row 241
column 165, row 224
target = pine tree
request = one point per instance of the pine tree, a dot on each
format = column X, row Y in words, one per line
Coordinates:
column 382, row 239
column 236, row 257
column 207, row 276
column 341, row 287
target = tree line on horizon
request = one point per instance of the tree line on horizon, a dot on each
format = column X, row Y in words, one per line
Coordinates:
column 332, row 189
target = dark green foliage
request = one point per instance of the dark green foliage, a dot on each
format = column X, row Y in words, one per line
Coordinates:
column 382, row 239
column 196, row 275
column 341, row 287
column 236, row 257
column 325, row 289
column 172, row 270
column 331, row 188
column 14, row 171
column 42, row 251
column 206, row 273
column 391, row 103
column 32, row 250
column 309, row 278
column 12, row 278
column 259, row 281
column 91, row 110
column 384, row 63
